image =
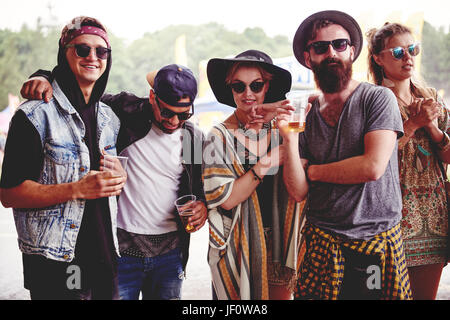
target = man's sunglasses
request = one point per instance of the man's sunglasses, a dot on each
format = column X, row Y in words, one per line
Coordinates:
column 168, row 114
column 239, row 86
column 320, row 47
column 399, row 52
column 83, row 51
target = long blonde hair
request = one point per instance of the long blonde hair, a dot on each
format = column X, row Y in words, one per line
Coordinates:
column 377, row 39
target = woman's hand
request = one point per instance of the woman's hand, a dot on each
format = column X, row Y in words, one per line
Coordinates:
column 268, row 111
column 424, row 112
column 274, row 158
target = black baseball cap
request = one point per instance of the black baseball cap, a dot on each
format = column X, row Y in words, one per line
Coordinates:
column 173, row 83
column 338, row 17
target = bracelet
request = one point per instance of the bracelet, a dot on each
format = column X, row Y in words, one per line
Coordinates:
column 444, row 144
column 256, row 177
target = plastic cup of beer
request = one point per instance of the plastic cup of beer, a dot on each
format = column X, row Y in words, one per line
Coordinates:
column 299, row 100
column 115, row 164
column 184, row 206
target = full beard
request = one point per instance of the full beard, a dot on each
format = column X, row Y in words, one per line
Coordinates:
column 332, row 78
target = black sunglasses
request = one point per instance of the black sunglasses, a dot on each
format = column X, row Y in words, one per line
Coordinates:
column 168, row 114
column 84, row 50
column 399, row 52
column 239, row 86
column 320, row 47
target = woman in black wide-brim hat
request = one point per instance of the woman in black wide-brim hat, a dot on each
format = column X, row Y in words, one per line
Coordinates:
column 254, row 225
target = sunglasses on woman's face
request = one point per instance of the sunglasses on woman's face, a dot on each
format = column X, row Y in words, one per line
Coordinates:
column 399, row 52
column 239, row 86
column 168, row 114
column 320, row 47
column 83, row 50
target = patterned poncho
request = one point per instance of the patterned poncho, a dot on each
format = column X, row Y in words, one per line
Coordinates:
column 237, row 253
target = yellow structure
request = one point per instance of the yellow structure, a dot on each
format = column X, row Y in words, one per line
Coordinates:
column 180, row 50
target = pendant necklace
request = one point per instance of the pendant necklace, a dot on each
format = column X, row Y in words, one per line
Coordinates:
column 251, row 134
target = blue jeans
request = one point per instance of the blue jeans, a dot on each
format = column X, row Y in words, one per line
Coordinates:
column 159, row 278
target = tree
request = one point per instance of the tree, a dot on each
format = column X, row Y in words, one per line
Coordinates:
column 21, row 53
column 436, row 57
column 25, row 51
column 203, row 42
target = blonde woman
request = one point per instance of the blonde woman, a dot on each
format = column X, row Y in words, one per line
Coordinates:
column 426, row 144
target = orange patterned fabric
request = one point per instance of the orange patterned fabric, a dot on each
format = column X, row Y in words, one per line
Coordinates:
column 425, row 222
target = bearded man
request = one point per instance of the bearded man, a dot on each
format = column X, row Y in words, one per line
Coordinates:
column 345, row 163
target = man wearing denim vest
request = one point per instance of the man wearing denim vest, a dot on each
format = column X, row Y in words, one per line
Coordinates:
column 154, row 246
column 64, row 207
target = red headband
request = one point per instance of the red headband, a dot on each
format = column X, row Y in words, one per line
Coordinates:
column 85, row 30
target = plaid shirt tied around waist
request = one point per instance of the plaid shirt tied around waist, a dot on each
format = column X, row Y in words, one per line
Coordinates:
column 322, row 270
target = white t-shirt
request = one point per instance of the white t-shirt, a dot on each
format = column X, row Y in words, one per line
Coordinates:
column 146, row 204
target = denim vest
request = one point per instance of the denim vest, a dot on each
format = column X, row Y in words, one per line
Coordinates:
column 52, row 231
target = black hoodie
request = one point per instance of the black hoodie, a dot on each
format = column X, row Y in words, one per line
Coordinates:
column 94, row 252
column 69, row 85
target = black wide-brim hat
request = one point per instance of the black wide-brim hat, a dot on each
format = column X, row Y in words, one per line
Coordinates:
column 338, row 17
column 217, row 70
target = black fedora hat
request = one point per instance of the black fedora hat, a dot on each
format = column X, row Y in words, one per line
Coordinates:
column 338, row 17
column 217, row 70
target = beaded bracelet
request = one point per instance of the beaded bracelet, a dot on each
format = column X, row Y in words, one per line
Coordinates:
column 444, row 144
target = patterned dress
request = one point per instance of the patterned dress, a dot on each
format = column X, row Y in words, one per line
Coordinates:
column 425, row 222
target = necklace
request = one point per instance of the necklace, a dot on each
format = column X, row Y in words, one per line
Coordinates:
column 403, row 101
column 404, row 110
column 251, row 134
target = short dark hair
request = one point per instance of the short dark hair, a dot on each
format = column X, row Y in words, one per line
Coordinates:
column 316, row 26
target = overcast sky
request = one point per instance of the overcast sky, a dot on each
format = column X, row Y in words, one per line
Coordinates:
column 130, row 19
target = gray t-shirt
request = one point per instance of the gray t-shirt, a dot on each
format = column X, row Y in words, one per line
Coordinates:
column 357, row 211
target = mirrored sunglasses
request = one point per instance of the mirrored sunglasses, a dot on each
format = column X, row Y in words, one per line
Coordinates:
column 239, row 86
column 399, row 52
column 320, row 47
column 168, row 114
column 83, row 50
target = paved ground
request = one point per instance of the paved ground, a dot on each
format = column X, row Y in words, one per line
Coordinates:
column 196, row 287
